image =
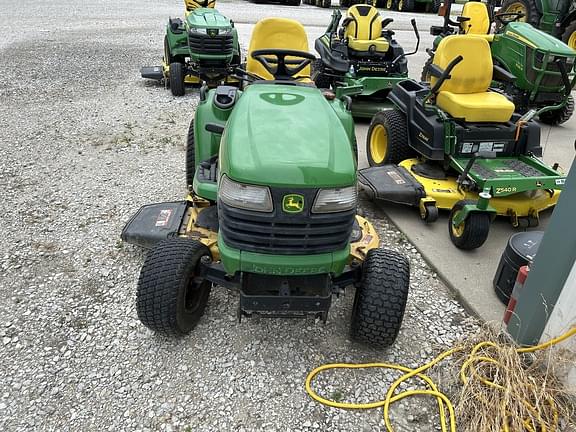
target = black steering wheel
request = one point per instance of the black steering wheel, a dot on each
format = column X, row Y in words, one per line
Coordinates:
column 515, row 16
column 274, row 61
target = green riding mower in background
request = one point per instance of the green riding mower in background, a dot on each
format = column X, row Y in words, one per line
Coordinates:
column 556, row 17
column 201, row 48
column 361, row 54
column 271, row 211
column 529, row 54
column 409, row 5
column 456, row 145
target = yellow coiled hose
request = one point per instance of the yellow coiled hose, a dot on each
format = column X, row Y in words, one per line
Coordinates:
column 444, row 403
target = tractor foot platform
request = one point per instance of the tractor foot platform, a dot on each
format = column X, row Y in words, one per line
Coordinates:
column 391, row 183
column 152, row 72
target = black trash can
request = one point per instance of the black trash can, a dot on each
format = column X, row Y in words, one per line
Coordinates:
column 521, row 250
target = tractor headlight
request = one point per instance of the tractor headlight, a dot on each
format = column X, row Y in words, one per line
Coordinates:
column 243, row 196
column 199, row 30
column 335, row 200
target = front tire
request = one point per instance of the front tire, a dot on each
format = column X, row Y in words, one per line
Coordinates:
column 168, row 299
column 380, row 300
column 387, row 139
column 177, row 79
column 473, row 232
column 425, row 77
column 559, row 116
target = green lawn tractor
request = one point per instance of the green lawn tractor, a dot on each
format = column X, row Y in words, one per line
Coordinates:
column 454, row 145
column 271, row 212
column 556, row 17
column 361, row 53
column 201, row 48
column 409, row 5
column 522, row 50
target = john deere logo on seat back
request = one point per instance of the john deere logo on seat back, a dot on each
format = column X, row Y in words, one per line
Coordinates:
column 293, row 203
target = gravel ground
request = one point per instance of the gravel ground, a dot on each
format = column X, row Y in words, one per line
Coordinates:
column 84, row 142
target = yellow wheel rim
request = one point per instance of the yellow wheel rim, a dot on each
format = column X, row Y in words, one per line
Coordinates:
column 517, row 7
column 572, row 40
column 400, row 5
column 379, row 144
column 458, row 230
column 389, row 4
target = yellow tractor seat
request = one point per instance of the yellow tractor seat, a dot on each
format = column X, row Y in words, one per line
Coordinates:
column 280, row 33
column 195, row 4
column 364, row 29
column 465, row 94
column 479, row 22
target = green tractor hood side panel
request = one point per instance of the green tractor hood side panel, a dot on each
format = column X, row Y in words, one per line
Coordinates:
column 208, row 18
column 286, row 135
column 538, row 39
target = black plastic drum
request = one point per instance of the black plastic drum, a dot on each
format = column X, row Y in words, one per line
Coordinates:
column 521, row 250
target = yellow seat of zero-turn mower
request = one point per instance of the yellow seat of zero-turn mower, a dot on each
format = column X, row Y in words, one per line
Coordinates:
column 365, row 29
column 479, row 22
column 280, row 33
column 195, row 4
column 465, row 95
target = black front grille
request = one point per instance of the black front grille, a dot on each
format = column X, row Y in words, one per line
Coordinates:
column 285, row 234
column 202, row 43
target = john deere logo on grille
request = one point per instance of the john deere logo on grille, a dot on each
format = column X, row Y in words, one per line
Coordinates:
column 293, row 203
column 212, row 32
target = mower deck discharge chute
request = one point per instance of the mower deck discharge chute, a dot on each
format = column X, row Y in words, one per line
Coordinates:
column 458, row 146
column 524, row 52
column 360, row 57
column 271, row 211
column 201, row 48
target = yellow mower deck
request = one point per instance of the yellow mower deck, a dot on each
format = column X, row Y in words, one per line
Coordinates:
column 446, row 193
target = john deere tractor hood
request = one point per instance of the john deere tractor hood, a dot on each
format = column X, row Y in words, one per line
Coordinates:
column 537, row 39
column 207, row 18
column 283, row 135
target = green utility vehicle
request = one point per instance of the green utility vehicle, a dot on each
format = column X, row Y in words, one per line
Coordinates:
column 527, row 53
column 456, row 145
column 556, row 17
column 201, row 48
column 271, row 211
column 361, row 53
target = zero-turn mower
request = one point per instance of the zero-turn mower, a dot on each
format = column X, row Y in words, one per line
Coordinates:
column 529, row 54
column 271, row 211
column 361, row 53
column 458, row 146
column 201, row 48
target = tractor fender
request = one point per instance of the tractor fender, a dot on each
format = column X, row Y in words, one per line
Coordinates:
column 331, row 59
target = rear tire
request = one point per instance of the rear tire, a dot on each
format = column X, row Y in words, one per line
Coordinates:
column 559, row 116
column 387, row 140
column 380, row 300
column 168, row 299
column 190, row 156
column 345, row 3
column 569, row 35
column 379, row 3
column 177, row 79
column 406, row 5
column 473, row 232
column 528, row 7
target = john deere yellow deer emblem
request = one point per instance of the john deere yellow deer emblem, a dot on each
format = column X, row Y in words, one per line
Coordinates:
column 293, row 203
